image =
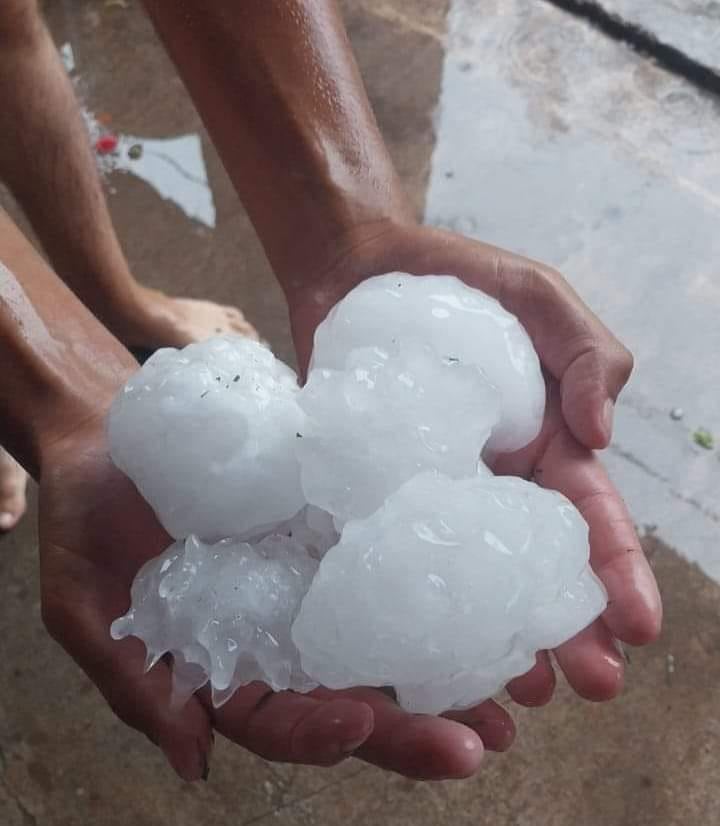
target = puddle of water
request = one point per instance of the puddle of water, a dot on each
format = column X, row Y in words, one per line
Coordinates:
column 173, row 167
column 555, row 142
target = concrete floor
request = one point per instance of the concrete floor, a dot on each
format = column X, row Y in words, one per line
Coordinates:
column 647, row 758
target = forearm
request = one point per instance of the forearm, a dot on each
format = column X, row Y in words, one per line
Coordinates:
column 60, row 366
column 279, row 91
column 47, row 162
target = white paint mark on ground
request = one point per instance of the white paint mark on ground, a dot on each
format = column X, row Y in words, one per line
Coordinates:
column 173, row 167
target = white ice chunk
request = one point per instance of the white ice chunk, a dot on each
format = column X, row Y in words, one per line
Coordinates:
column 207, row 435
column 386, row 417
column 434, row 576
column 224, row 611
column 448, row 590
column 457, row 322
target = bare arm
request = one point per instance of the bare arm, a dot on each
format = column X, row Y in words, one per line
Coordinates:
column 60, row 366
column 279, row 90
column 47, row 162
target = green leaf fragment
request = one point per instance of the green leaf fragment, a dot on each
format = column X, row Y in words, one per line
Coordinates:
column 704, row 438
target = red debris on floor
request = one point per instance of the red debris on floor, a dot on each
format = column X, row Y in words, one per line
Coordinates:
column 106, row 144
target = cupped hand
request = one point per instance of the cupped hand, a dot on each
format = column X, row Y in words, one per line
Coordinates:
column 591, row 661
column 95, row 533
column 586, row 367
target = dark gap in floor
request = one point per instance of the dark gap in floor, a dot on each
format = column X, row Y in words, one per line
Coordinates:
column 645, row 42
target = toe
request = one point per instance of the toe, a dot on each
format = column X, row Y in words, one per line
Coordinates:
column 239, row 324
column 13, row 481
column 12, row 510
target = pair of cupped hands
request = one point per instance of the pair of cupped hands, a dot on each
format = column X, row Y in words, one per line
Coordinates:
column 96, row 531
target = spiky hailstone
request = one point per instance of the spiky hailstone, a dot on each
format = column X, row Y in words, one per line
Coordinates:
column 456, row 322
column 448, row 590
column 224, row 612
column 207, row 435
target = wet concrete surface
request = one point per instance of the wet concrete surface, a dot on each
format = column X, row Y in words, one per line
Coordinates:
column 604, row 167
column 692, row 26
column 561, row 144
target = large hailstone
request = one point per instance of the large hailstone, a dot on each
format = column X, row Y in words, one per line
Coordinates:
column 207, row 435
column 224, row 612
column 448, row 591
column 444, row 581
column 384, row 418
column 457, row 322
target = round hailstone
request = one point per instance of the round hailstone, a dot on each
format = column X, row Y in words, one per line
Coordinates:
column 458, row 322
column 448, row 591
column 384, row 418
column 207, row 435
column 224, row 612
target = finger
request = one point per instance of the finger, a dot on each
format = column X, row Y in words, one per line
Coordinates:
column 589, row 387
column 591, row 663
column 140, row 700
column 490, row 721
column 416, row 745
column 537, row 686
column 634, row 612
column 294, row 728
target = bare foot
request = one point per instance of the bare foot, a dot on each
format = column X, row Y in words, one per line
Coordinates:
column 164, row 321
column 13, row 481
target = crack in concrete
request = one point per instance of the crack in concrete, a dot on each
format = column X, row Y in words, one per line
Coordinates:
column 392, row 15
column 299, row 800
column 692, row 501
column 643, row 41
column 27, row 816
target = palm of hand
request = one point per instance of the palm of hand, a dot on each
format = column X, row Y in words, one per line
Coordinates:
column 591, row 660
column 586, row 367
column 95, row 533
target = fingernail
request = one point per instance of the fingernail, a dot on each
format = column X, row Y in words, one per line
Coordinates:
column 190, row 764
column 351, row 746
column 7, row 520
column 496, row 735
column 206, row 756
column 607, row 417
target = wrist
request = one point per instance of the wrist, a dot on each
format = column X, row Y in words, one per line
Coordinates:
column 324, row 273
column 312, row 292
column 61, row 368
column 76, row 419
